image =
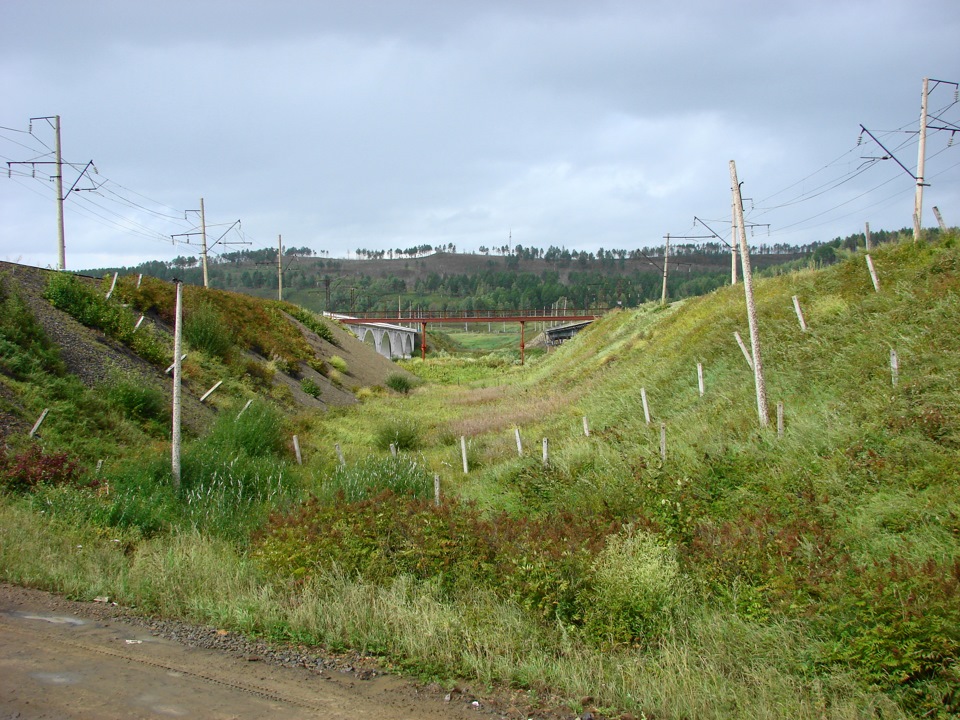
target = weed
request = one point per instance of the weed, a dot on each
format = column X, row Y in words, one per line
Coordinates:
column 399, row 383
column 205, row 330
column 338, row 364
column 402, row 434
column 310, row 387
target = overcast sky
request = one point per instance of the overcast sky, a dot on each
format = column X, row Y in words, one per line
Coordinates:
column 390, row 124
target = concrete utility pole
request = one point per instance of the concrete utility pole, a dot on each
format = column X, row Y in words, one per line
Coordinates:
column 177, row 345
column 733, row 245
column 666, row 259
column 279, row 268
column 759, row 382
column 203, row 235
column 921, row 161
column 61, row 245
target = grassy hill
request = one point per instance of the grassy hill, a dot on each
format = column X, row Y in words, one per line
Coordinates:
column 740, row 574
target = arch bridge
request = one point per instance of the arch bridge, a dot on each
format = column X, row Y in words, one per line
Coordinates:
column 401, row 339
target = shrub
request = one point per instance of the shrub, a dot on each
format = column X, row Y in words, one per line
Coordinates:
column 205, row 330
column 258, row 432
column 138, row 400
column 24, row 347
column 399, row 383
column 32, row 467
column 338, row 363
column 310, row 387
column 403, row 435
column 636, row 587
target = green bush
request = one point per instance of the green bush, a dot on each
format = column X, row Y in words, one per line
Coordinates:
column 258, row 432
column 635, row 590
column 310, row 387
column 399, row 383
column 138, row 400
column 338, row 363
column 205, row 330
column 402, row 434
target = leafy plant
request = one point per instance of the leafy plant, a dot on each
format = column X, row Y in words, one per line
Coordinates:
column 310, row 387
column 402, row 434
column 338, row 363
column 30, row 468
column 399, row 383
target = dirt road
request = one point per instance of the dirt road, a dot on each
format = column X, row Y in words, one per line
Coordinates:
column 61, row 659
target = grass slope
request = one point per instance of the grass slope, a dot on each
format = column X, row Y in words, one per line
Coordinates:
column 744, row 575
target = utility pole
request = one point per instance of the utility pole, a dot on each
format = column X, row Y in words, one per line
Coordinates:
column 921, row 161
column 203, row 235
column 57, row 162
column 733, row 244
column 279, row 268
column 61, row 245
column 759, row 382
column 666, row 256
column 177, row 345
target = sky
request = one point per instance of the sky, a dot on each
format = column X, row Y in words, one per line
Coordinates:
column 384, row 124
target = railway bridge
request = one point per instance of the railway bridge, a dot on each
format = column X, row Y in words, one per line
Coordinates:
column 400, row 331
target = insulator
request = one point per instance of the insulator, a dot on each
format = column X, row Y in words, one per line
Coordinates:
column 956, row 94
column 950, row 141
column 860, row 139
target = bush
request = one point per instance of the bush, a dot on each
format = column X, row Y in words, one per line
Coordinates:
column 138, row 400
column 32, row 467
column 401, row 434
column 205, row 330
column 258, row 432
column 636, row 587
column 310, row 387
column 24, row 347
column 313, row 322
column 399, row 383
column 338, row 363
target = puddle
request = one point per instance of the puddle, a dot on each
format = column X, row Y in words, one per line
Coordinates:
column 56, row 678
column 55, row 619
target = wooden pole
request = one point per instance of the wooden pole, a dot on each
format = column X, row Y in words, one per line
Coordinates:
column 340, row 457
column 796, row 306
column 894, row 367
column 519, row 444
column 209, row 392
column 743, row 348
column 436, row 490
column 867, row 244
column 733, row 245
column 244, row 408
column 296, row 450
column 177, row 372
column 646, row 408
column 873, row 274
column 940, row 222
column 586, row 426
column 463, row 454
column 113, row 285
column 759, row 382
column 700, row 377
column 663, row 441
column 393, row 450
column 780, row 419
column 546, row 451
column 36, row 425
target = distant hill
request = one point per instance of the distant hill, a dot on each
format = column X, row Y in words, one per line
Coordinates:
column 517, row 278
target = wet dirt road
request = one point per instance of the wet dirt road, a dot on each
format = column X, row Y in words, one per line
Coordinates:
column 60, row 659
